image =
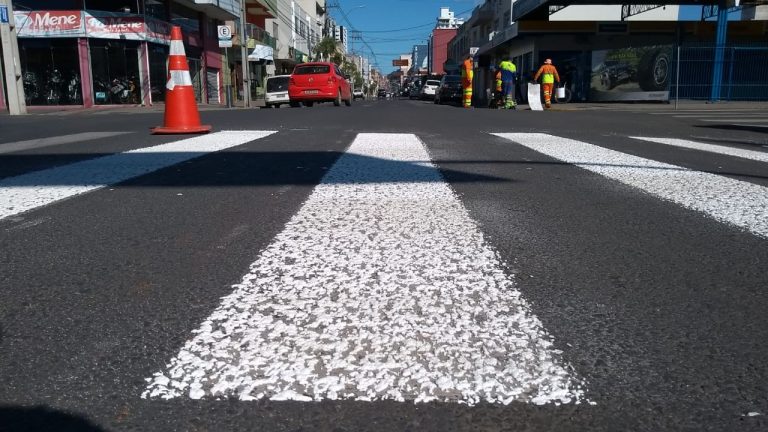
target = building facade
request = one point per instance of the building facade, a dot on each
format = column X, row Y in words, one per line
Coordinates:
column 611, row 53
column 100, row 52
column 437, row 45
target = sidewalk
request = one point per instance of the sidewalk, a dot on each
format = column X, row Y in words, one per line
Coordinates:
column 579, row 106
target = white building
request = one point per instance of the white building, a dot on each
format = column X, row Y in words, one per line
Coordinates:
column 342, row 37
column 448, row 20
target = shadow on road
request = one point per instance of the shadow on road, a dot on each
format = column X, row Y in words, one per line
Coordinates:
column 42, row 418
column 217, row 169
column 736, row 127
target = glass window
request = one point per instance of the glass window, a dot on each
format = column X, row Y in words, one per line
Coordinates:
column 311, row 70
column 158, row 71
column 51, row 71
column 127, row 6
column 46, row 4
column 277, row 84
column 115, row 68
column 212, row 83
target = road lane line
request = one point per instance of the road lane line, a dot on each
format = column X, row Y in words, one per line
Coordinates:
column 734, row 202
column 11, row 147
column 380, row 287
column 29, row 191
column 712, row 148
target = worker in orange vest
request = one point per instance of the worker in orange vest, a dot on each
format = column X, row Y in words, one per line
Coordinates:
column 467, row 74
column 498, row 94
column 549, row 76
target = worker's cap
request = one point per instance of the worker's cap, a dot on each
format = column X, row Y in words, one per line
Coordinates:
column 548, row 61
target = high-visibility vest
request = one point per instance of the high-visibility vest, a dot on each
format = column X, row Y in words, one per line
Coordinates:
column 548, row 73
column 467, row 74
column 508, row 70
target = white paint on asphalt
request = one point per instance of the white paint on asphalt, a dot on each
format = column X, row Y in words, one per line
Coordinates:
column 29, row 191
column 738, row 203
column 11, row 147
column 712, row 148
column 380, row 287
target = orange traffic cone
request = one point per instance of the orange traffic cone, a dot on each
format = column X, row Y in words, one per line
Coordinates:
column 181, row 116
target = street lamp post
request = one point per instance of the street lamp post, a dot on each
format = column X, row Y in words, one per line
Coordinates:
column 244, row 55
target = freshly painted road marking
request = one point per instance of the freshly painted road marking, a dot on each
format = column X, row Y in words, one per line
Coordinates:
column 738, row 203
column 712, row 148
column 29, row 191
column 380, row 287
column 57, row 140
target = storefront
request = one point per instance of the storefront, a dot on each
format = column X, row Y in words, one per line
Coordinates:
column 106, row 58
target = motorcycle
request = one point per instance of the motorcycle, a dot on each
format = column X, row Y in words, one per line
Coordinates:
column 74, row 96
column 53, row 87
column 31, row 92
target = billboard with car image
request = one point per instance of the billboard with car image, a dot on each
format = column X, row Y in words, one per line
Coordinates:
column 631, row 74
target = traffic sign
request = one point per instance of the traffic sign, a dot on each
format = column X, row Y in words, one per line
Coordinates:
column 4, row 14
column 225, row 36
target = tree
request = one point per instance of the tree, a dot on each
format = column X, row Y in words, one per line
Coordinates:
column 327, row 49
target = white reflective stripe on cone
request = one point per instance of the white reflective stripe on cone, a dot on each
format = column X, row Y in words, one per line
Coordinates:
column 177, row 48
column 178, row 78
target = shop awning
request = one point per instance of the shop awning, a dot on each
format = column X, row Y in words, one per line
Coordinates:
column 262, row 52
column 540, row 9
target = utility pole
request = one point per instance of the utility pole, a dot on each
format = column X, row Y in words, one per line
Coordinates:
column 244, row 54
column 11, row 60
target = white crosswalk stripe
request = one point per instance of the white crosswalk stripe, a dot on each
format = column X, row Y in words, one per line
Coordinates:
column 29, row 191
column 712, row 148
column 738, row 203
column 380, row 287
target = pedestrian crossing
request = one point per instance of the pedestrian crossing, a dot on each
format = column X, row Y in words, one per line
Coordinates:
column 745, row 117
column 27, row 192
column 382, row 286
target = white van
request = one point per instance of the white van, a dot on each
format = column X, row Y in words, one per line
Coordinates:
column 277, row 91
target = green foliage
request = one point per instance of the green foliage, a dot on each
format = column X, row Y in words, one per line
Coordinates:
column 327, row 50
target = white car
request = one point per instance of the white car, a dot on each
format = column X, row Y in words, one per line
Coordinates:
column 429, row 89
column 277, row 91
column 358, row 94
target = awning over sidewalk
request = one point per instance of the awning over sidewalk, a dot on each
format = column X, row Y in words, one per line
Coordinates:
column 262, row 53
column 540, row 9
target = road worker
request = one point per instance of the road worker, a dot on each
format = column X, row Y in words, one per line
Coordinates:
column 467, row 74
column 498, row 95
column 549, row 76
column 508, row 75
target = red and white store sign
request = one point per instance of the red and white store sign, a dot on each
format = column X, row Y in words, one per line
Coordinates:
column 102, row 25
column 49, row 23
column 105, row 26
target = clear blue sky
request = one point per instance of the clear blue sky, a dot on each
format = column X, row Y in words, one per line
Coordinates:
column 393, row 27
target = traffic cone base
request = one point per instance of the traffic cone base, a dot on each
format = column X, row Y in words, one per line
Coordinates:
column 162, row 130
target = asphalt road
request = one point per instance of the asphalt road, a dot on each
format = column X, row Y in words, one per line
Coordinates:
column 659, row 311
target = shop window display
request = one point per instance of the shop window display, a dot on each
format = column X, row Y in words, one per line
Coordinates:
column 51, row 72
column 115, row 68
column 158, row 71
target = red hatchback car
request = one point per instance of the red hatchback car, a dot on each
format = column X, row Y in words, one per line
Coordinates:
column 319, row 82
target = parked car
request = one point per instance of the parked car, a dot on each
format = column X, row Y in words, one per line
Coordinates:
column 449, row 90
column 277, row 91
column 429, row 89
column 319, row 82
column 358, row 94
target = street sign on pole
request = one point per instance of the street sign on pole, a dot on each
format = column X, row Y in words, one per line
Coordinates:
column 4, row 15
column 225, row 36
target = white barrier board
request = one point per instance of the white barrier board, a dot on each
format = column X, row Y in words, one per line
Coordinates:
column 534, row 98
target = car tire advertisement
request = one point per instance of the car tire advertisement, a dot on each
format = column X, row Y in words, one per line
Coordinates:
column 631, row 74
